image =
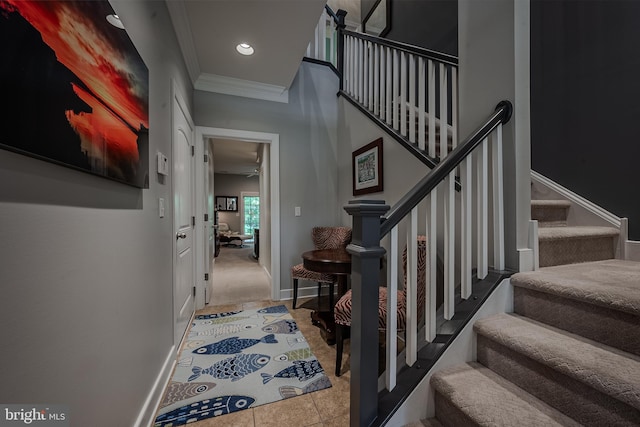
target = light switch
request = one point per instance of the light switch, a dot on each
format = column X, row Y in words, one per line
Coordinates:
column 297, row 209
column 161, row 207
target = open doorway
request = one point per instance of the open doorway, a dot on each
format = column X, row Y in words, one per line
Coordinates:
column 246, row 203
column 236, row 275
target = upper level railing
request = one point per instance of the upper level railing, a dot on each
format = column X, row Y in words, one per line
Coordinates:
column 324, row 46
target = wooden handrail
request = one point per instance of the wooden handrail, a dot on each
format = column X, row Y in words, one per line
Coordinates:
column 410, row 200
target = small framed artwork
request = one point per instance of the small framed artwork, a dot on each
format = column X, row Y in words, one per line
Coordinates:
column 367, row 168
column 227, row 203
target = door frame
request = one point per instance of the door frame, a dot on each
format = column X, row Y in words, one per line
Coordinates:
column 203, row 133
column 178, row 101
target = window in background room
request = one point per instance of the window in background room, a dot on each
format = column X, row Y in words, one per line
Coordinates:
column 250, row 212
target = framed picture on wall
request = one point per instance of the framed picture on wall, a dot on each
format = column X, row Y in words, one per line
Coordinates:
column 75, row 88
column 227, row 203
column 367, row 168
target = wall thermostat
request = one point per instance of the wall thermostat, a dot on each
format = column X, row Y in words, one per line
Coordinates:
column 163, row 164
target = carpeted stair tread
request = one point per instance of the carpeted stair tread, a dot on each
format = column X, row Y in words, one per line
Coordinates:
column 610, row 283
column 486, row 399
column 610, row 371
column 577, row 232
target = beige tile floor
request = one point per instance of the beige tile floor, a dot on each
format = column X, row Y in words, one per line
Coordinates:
column 324, row 408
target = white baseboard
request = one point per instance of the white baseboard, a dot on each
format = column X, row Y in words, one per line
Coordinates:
column 147, row 412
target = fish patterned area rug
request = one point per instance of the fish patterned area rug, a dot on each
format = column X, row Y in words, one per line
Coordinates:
column 237, row 360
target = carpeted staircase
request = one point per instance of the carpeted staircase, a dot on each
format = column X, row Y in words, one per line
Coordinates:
column 569, row 354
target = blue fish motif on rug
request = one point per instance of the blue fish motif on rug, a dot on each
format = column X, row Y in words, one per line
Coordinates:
column 217, row 315
column 254, row 356
column 274, row 309
column 202, row 410
column 282, row 327
column 301, row 369
column 233, row 368
column 233, row 345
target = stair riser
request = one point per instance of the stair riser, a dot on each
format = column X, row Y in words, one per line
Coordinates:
column 549, row 215
column 571, row 397
column 450, row 415
column 571, row 251
column 588, row 320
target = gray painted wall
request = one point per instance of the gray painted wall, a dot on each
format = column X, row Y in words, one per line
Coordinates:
column 85, row 264
column 308, row 151
column 584, row 102
column 494, row 66
column 233, row 186
column 432, row 24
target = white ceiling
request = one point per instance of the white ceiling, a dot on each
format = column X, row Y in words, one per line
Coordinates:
column 235, row 157
column 208, row 32
column 279, row 31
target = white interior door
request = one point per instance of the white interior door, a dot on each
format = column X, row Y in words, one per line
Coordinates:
column 183, row 208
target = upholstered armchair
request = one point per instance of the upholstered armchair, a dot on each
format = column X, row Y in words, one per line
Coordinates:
column 323, row 238
column 342, row 309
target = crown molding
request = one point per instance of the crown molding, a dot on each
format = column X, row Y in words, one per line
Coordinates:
column 244, row 88
column 180, row 20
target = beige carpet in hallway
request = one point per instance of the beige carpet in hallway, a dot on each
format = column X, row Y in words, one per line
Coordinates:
column 238, row 278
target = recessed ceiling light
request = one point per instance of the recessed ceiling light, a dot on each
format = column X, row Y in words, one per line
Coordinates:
column 244, row 49
column 115, row 21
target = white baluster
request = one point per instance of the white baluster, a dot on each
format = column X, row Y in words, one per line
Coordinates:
column 412, row 98
column 432, row 108
column 431, row 270
column 392, row 312
column 432, row 266
column 382, row 83
column 454, row 106
column 352, row 67
column 444, row 150
column 421, row 104
column 411, row 291
column 323, row 37
column 360, row 62
column 376, row 79
column 465, row 227
column 403, row 93
column 371, row 67
column 365, row 73
column 498, row 200
column 396, row 88
column 482, row 214
column 332, row 41
column 388, row 86
column 449, row 245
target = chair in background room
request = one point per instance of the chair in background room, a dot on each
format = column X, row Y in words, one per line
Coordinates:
column 342, row 309
column 323, row 238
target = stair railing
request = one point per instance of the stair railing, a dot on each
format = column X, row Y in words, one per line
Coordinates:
column 413, row 90
column 326, row 47
column 479, row 161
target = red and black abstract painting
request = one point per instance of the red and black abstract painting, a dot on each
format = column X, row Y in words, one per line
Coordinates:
column 74, row 89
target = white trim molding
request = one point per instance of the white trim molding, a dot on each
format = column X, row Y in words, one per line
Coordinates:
column 625, row 248
column 273, row 139
column 244, row 88
column 151, row 403
column 180, row 20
